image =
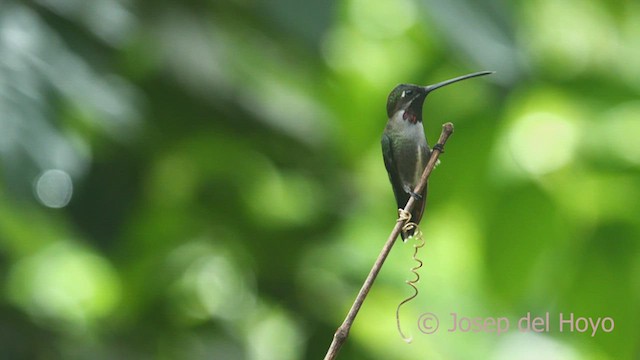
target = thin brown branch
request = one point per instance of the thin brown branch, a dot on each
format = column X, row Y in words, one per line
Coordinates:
column 342, row 333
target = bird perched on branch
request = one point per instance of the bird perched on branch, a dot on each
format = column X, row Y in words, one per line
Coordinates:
column 404, row 146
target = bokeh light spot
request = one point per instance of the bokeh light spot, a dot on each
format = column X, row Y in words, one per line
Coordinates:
column 533, row 346
column 542, row 142
column 54, row 188
column 275, row 336
column 621, row 127
column 284, row 198
column 383, row 19
column 66, row 283
column 211, row 284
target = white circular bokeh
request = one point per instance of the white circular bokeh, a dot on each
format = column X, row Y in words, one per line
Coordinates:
column 54, row 188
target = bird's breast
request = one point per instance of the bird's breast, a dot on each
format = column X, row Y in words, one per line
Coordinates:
column 410, row 149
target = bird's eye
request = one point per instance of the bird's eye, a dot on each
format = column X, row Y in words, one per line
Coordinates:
column 407, row 93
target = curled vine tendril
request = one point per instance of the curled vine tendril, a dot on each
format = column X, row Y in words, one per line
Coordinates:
column 417, row 235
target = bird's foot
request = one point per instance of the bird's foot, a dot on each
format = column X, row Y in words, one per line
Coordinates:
column 439, row 147
column 413, row 194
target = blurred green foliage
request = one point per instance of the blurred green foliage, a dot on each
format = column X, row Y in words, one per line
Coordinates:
column 203, row 179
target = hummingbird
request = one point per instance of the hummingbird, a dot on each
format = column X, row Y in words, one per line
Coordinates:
column 404, row 146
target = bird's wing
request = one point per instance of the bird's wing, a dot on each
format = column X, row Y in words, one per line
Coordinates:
column 387, row 153
column 394, row 178
column 418, row 210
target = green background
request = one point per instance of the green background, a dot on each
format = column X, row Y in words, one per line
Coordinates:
column 204, row 180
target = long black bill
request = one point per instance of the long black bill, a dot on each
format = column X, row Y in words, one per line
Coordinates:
column 430, row 88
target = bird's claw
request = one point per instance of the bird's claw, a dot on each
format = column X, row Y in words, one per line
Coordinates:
column 415, row 195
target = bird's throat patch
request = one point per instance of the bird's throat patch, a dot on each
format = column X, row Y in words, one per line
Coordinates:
column 410, row 116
